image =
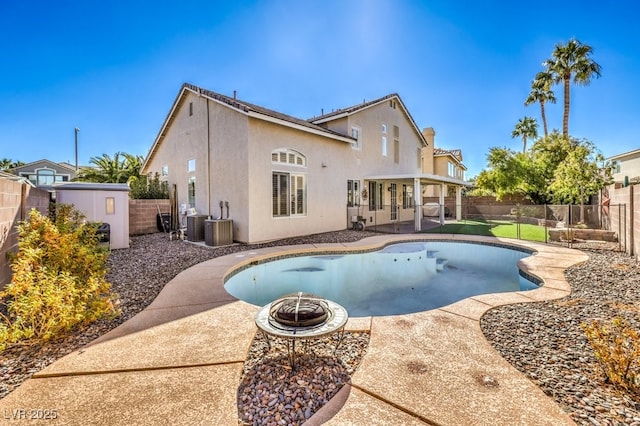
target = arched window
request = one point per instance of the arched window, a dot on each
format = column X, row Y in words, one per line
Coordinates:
column 288, row 156
column 289, row 189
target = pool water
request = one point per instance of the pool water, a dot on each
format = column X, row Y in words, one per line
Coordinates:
column 401, row 278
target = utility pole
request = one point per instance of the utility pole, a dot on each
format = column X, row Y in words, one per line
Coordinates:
column 77, row 130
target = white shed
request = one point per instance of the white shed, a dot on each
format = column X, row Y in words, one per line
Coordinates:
column 100, row 202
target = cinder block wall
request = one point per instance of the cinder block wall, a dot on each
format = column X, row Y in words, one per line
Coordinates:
column 143, row 215
column 16, row 200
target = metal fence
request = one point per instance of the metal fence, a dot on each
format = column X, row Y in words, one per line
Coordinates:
column 543, row 223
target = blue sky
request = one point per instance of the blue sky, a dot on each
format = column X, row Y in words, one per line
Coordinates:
column 113, row 69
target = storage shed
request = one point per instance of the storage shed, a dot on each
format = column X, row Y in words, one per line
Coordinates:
column 107, row 203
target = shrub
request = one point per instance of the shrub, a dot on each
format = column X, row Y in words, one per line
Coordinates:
column 59, row 278
column 617, row 349
column 150, row 188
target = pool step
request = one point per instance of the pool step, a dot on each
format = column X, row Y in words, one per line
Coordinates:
column 441, row 263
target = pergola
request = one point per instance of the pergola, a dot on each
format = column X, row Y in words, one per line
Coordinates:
column 425, row 179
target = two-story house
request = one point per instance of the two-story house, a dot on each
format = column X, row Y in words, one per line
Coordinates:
column 279, row 176
column 626, row 167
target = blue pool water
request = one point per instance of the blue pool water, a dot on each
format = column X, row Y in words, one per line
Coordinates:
column 399, row 279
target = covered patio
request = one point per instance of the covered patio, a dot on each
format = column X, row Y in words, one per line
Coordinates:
column 384, row 206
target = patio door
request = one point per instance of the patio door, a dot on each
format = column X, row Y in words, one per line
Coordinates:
column 394, row 201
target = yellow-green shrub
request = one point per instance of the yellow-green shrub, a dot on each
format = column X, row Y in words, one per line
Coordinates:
column 617, row 349
column 59, row 278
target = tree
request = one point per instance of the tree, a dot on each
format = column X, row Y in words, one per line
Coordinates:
column 541, row 92
column 527, row 127
column 571, row 60
column 541, row 174
column 7, row 163
column 511, row 172
column 581, row 174
column 119, row 169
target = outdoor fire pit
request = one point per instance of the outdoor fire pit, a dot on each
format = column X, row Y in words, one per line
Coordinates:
column 301, row 316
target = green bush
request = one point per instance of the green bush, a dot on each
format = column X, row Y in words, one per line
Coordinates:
column 59, row 278
column 149, row 188
column 617, row 349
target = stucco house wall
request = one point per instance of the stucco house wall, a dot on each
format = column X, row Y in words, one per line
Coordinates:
column 232, row 142
column 627, row 166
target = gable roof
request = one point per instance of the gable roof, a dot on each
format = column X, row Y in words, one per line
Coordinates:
column 456, row 154
column 344, row 112
column 46, row 163
column 246, row 108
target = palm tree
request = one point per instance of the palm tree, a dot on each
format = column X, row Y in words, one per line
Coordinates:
column 571, row 60
column 527, row 127
column 541, row 92
column 112, row 170
column 7, row 163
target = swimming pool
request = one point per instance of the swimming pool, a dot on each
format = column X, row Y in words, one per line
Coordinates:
column 398, row 279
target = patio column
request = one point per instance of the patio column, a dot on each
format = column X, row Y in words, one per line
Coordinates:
column 443, row 188
column 458, row 203
column 417, row 195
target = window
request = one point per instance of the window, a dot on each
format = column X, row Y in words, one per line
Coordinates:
column 353, row 193
column 289, row 194
column 451, row 169
column 384, row 146
column 191, row 191
column 165, row 170
column 190, row 108
column 384, row 128
column 289, row 157
column 45, row 177
column 617, row 166
column 407, row 196
column 396, row 144
column 191, row 165
column 376, row 195
column 289, row 190
column 110, row 205
column 355, row 133
column 396, row 151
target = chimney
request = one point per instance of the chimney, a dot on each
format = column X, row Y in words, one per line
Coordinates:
column 234, row 94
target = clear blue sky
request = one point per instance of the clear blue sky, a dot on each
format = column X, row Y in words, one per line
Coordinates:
column 114, row 68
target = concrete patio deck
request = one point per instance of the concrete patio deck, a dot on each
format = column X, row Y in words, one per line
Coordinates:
column 179, row 361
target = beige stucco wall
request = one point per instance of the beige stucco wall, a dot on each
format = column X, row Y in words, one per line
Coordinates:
column 326, row 179
column 240, row 168
column 629, row 166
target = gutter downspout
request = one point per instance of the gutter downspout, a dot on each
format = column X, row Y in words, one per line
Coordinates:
column 208, row 162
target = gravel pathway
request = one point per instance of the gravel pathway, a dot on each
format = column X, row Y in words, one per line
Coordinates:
column 543, row 340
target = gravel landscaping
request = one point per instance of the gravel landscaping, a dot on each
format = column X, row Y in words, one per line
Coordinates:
column 542, row 340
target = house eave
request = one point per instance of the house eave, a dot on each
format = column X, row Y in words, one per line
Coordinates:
column 424, row 177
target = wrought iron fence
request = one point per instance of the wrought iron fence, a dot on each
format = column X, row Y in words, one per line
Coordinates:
column 542, row 223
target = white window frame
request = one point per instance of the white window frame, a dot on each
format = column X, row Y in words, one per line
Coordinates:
column 191, row 165
column 294, row 200
column 384, row 146
column 356, row 132
column 353, row 192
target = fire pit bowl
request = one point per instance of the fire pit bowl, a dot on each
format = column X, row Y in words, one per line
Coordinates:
column 299, row 310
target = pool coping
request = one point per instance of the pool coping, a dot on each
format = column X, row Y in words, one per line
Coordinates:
column 178, row 358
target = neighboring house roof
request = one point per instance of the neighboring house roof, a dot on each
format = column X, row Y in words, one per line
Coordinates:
column 455, row 154
column 11, row 176
column 246, row 108
column 91, row 186
column 634, row 153
column 334, row 115
column 43, row 163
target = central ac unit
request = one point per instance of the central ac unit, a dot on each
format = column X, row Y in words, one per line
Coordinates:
column 219, row 232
